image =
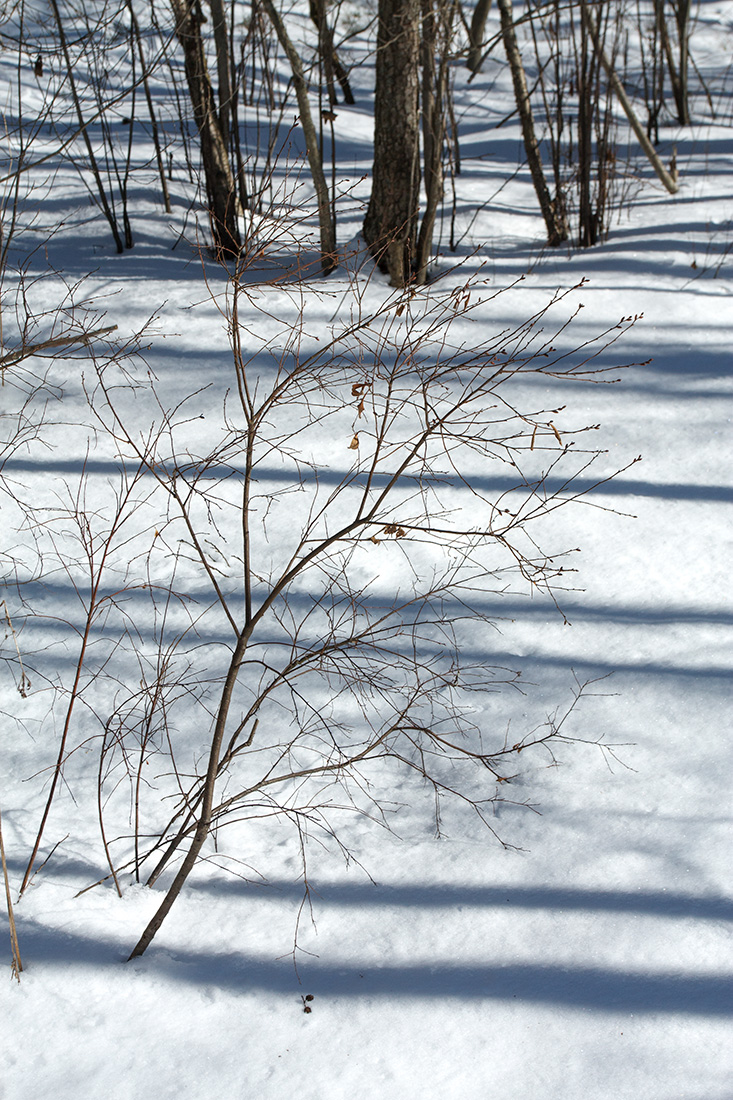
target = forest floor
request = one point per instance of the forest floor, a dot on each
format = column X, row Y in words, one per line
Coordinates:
column 591, row 957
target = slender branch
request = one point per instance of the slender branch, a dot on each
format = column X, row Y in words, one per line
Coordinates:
column 671, row 184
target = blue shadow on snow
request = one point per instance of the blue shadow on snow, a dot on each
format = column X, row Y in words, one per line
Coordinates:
column 574, row 987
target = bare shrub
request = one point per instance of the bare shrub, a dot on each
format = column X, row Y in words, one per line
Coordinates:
column 340, row 534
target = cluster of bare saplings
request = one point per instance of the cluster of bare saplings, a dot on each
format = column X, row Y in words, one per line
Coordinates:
column 218, row 87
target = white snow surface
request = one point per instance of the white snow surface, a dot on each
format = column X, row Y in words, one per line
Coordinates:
column 591, row 958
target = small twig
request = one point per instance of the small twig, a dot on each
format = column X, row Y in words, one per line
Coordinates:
column 16, row 966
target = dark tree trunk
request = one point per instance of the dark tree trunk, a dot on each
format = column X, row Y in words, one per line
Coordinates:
column 223, row 65
column 326, row 219
column 681, row 93
column 391, row 220
column 220, row 185
column 556, row 228
column 331, row 64
column 678, row 72
column 437, row 35
column 476, row 34
column 587, row 105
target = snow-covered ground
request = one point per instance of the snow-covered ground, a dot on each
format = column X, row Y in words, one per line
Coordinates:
column 591, row 958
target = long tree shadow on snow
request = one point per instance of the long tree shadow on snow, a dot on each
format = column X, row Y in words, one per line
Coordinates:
column 500, row 608
column 589, row 988
column 649, row 903
column 498, row 483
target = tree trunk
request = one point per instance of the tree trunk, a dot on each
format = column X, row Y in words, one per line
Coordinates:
column 220, row 185
column 391, row 219
column 680, row 89
column 437, row 23
column 326, row 48
column 223, row 66
column 557, row 230
column 476, row 34
column 325, row 217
